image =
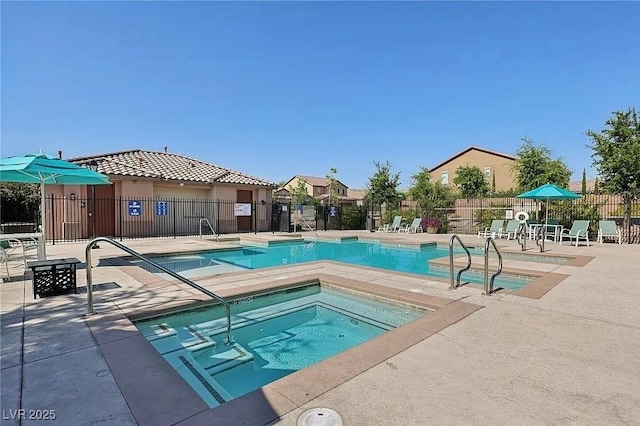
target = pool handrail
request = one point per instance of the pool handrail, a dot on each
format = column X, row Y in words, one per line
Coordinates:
column 521, row 235
column 488, row 283
column 204, row 219
column 179, row 277
column 310, row 227
column 455, row 284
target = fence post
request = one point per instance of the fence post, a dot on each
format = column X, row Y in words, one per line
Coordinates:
column 120, row 215
column 53, row 220
column 217, row 216
column 173, row 212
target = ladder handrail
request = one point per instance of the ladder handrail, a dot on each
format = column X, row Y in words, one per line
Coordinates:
column 541, row 236
column 456, row 284
column 89, row 268
column 210, row 227
column 488, row 284
column 309, row 226
column 521, row 235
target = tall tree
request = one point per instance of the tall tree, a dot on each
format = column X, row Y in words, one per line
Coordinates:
column 584, row 182
column 299, row 193
column 616, row 155
column 383, row 185
column 429, row 196
column 534, row 167
column 471, row 182
column 596, row 188
column 333, row 186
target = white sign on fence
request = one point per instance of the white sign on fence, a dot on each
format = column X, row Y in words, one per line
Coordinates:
column 242, row 209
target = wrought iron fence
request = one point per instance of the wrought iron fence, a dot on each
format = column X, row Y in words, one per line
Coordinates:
column 76, row 219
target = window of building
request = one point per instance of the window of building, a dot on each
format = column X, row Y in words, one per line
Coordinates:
column 445, row 178
column 487, row 171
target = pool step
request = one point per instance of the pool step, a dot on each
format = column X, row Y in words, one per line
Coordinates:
column 227, row 357
column 191, row 338
column 199, row 379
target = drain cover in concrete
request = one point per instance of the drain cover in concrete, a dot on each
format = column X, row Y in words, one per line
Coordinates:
column 320, row 417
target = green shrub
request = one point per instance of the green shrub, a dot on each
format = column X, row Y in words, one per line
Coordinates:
column 354, row 217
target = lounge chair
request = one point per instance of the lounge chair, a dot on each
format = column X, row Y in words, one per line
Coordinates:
column 579, row 230
column 495, row 230
column 608, row 229
column 393, row 226
column 413, row 227
column 510, row 231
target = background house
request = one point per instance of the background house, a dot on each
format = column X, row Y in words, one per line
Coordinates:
column 489, row 162
column 157, row 193
column 317, row 187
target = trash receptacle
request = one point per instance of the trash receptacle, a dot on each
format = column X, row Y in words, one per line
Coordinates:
column 371, row 224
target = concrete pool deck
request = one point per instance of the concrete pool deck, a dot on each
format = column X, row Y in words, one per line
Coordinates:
column 569, row 356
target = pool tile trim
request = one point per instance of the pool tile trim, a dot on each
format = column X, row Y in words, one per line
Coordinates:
column 163, row 385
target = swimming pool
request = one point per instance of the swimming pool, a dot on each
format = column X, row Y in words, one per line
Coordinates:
column 274, row 335
column 372, row 254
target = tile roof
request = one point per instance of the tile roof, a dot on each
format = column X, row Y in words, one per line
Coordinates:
column 168, row 166
column 313, row 181
column 357, row 194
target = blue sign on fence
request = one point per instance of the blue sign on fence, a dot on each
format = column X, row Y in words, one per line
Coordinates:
column 161, row 208
column 135, row 208
column 332, row 211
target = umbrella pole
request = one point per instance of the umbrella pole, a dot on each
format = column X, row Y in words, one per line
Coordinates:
column 42, row 253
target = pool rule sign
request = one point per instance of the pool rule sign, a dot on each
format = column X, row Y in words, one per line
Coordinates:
column 135, row 208
column 161, row 208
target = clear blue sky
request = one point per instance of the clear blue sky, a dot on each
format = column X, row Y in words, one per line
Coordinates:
column 281, row 88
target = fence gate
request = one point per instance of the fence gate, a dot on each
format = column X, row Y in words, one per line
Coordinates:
column 280, row 217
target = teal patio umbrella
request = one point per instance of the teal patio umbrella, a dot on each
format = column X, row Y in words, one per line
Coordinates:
column 548, row 192
column 45, row 170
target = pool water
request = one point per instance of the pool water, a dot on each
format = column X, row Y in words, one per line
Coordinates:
column 273, row 335
column 372, row 254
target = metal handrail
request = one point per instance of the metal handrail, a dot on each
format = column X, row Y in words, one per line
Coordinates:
column 522, row 235
column 455, row 284
column 488, row 284
column 210, row 227
column 89, row 268
column 541, row 236
column 310, row 227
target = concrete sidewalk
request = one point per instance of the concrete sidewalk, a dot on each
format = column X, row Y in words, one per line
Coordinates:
column 570, row 356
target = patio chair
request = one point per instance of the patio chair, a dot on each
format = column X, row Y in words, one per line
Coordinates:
column 532, row 226
column 393, row 226
column 511, row 229
column 17, row 248
column 579, row 230
column 413, row 227
column 608, row 229
column 553, row 229
column 4, row 258
column 494, row 230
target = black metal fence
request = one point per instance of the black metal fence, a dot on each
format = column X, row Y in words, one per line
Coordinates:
column 76, row 218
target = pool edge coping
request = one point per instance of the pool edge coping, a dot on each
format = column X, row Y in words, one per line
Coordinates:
column 117, row 337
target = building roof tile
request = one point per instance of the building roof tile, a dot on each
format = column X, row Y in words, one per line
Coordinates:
column 168, row 166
